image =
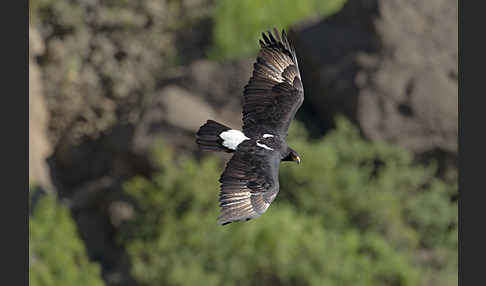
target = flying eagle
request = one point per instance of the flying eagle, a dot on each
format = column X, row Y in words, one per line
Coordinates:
column 272, row 96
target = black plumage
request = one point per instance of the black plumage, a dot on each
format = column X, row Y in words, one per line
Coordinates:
column 272, row 96
column 274, row 92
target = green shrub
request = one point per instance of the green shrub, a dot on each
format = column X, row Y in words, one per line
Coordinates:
column 104, row 59
column 353, row 213
column 238, row 24
column 56, row 254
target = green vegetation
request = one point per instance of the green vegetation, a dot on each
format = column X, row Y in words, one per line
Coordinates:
column 56, row 254
column 238, row 24
column 354, row 213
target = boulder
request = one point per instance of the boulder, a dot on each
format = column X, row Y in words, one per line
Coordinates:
column 203, row 90
column 174, row 115
column 184, row 110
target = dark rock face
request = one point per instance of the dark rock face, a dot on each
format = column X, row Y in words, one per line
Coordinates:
column 390, row 66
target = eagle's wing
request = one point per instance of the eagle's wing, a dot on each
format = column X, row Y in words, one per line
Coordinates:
column 274, row 92
column 248, row 185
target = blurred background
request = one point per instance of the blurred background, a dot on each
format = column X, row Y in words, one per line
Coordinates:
column 120, row 195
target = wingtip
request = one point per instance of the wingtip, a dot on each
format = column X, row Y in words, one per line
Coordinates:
column 262, row 44
column 272, row 39
column 277, row 35
column 265, row 39
column 272, row 36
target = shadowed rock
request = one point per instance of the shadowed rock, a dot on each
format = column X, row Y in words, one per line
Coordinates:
column 390, row 66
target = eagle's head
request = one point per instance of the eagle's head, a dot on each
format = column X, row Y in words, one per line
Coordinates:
column 292, row 156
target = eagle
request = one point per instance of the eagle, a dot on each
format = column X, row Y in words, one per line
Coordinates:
column 271, row 98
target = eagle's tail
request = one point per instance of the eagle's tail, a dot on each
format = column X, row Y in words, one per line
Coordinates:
column 208, row 137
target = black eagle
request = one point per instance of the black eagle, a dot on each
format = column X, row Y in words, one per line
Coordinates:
column 272, row 96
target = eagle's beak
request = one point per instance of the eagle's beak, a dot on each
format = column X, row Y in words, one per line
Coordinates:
column 297, row 159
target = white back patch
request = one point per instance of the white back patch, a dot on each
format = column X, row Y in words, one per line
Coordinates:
column 232, row 138
column 267, row 135
column 263, row 146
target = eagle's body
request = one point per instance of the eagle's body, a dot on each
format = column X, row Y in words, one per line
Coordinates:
column 272, row 96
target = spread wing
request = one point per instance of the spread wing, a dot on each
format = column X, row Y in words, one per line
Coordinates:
column 248, row 185
column 274, row 93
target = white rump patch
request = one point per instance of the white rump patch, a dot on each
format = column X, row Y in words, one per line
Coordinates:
column 267, row 135
column 263, row 146
column 232, row 138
